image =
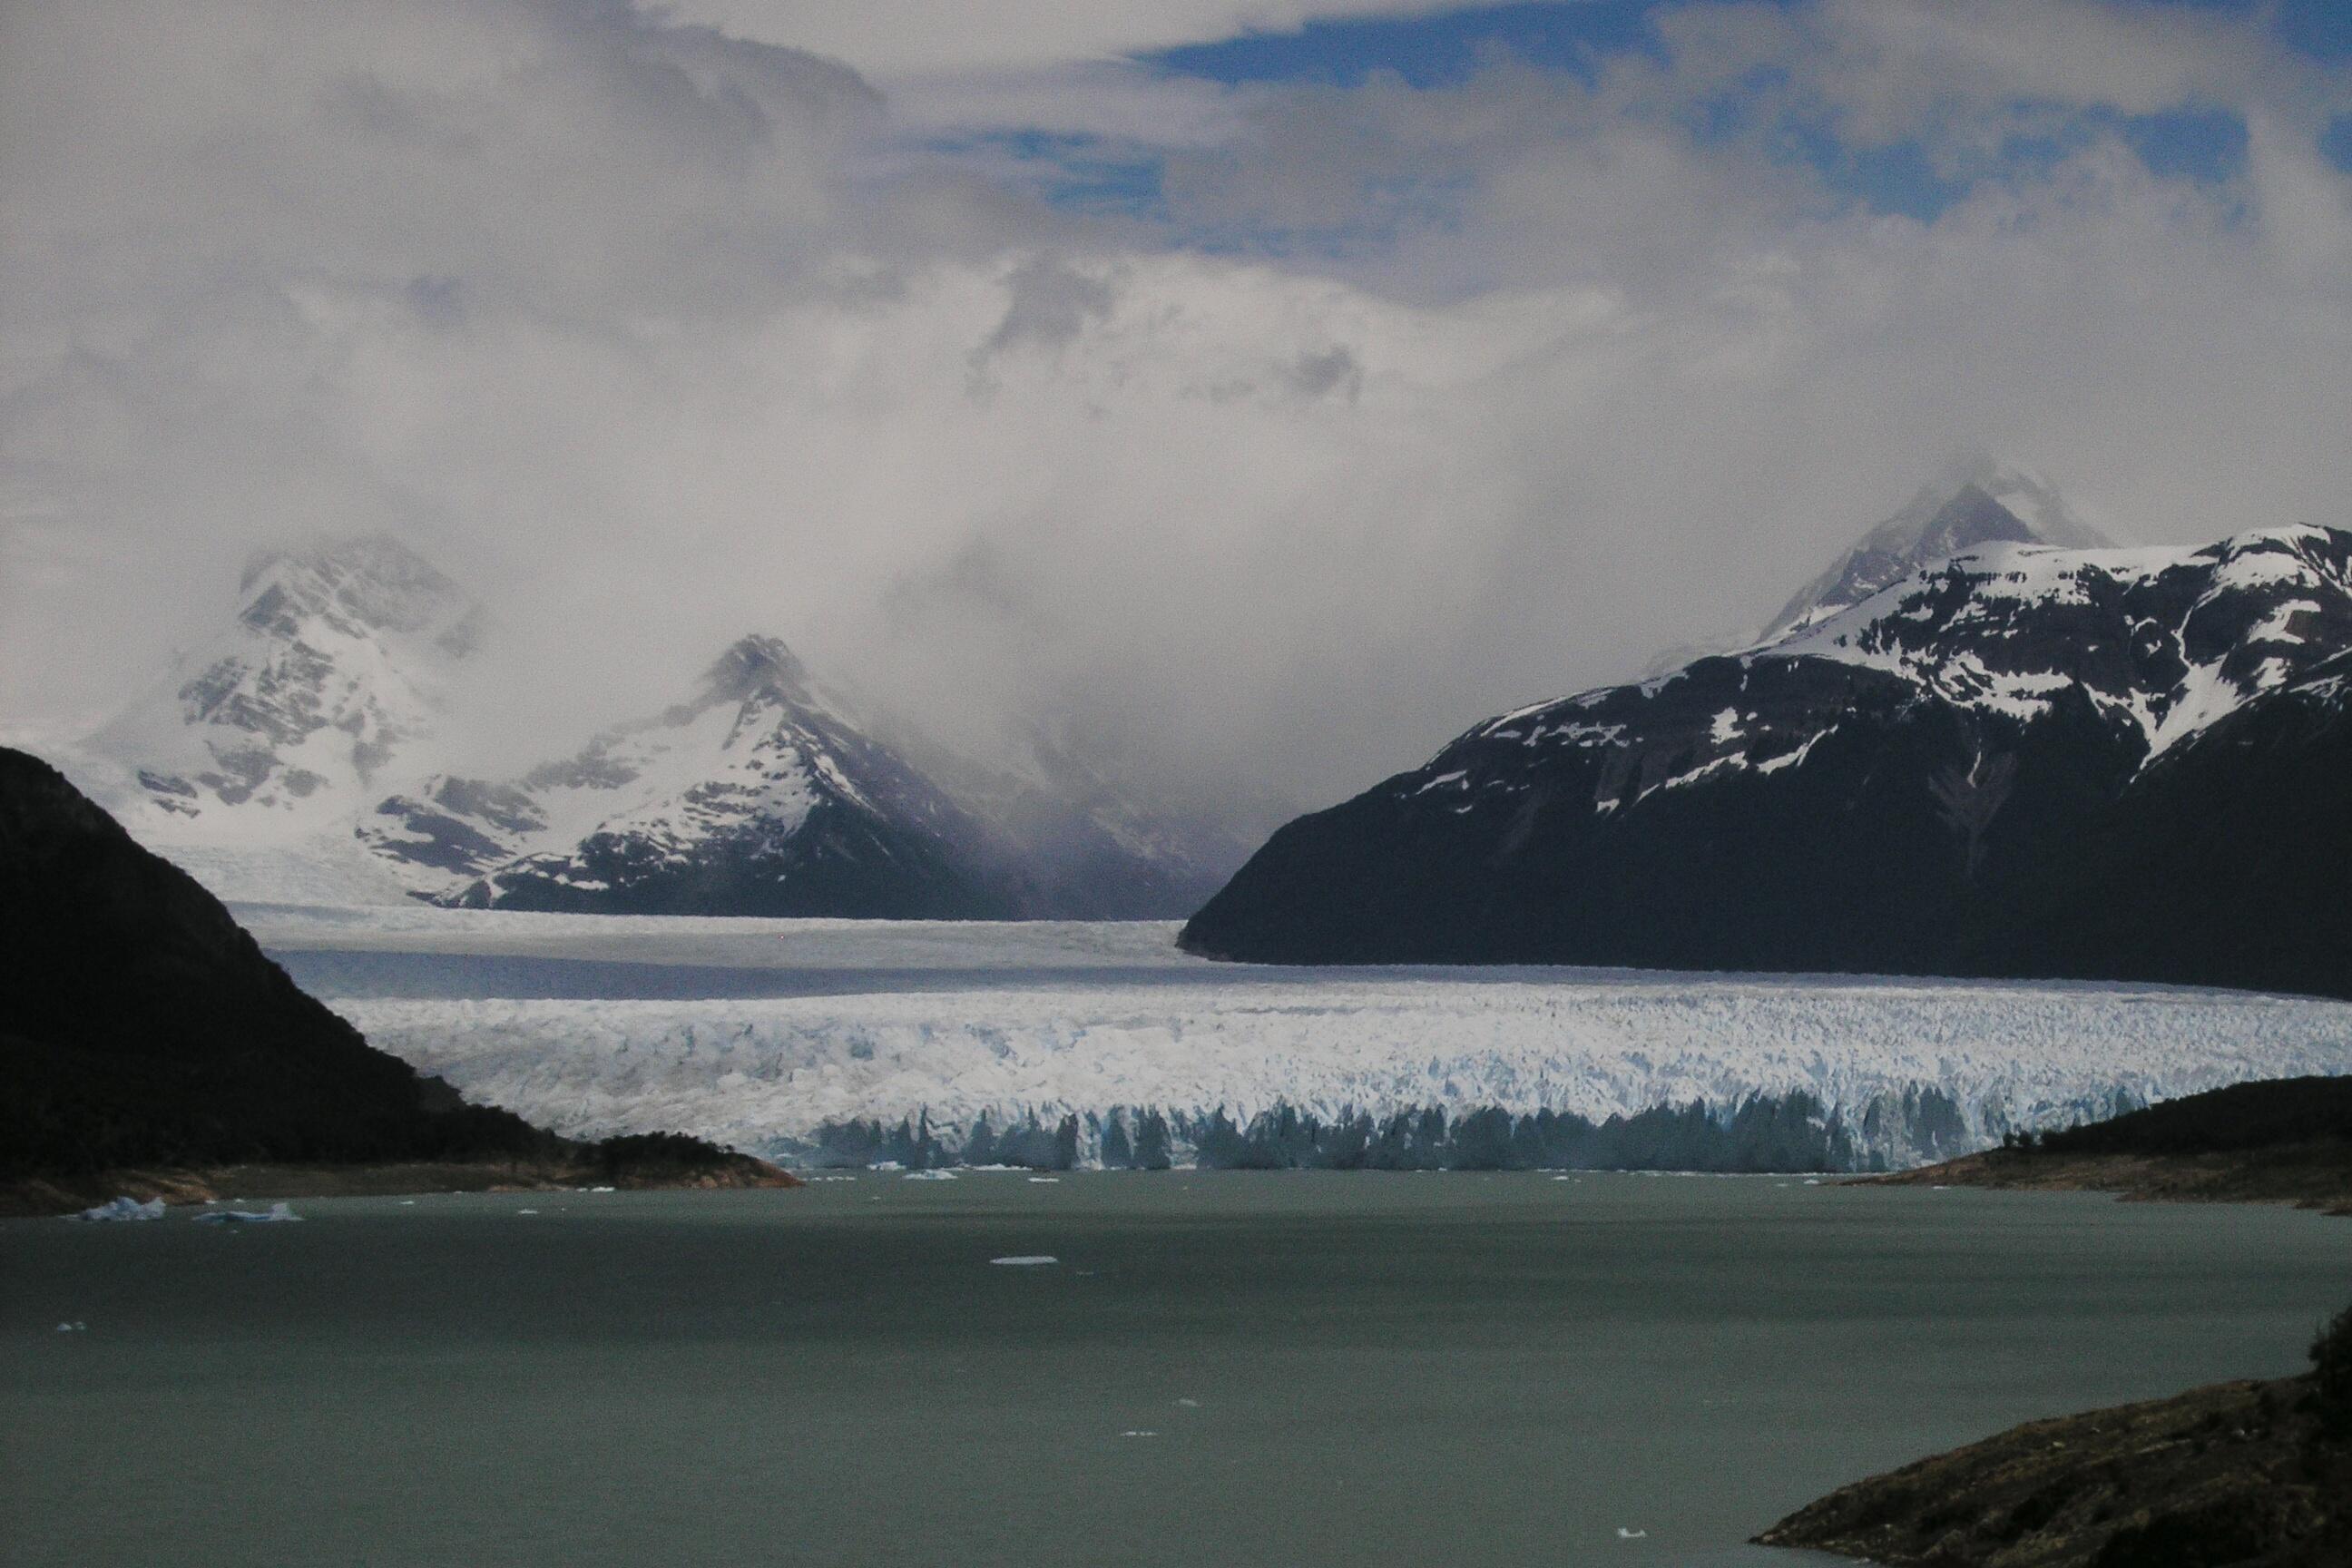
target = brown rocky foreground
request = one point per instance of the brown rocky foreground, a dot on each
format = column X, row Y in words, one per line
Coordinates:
column 2239, row 1473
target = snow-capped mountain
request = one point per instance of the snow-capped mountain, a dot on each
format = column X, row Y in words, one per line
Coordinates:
column 337, row 665
column 248, row 761
column 1977, row 501
column 300, row 758
column 761, row 793
column 1898, row 785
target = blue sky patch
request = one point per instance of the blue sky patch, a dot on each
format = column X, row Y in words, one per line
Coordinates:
column 1078, row 174
column 1425, row 51
column 2337, row 142
column 1575, row 36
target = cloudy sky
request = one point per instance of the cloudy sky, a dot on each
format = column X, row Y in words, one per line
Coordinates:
column 1267, row 390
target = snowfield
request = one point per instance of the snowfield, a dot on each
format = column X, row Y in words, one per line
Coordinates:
column 589, row 1025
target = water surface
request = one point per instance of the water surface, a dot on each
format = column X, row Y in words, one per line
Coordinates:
column 1219, row 1367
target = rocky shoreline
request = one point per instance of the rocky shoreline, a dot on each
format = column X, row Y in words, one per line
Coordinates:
column 2282, row 1141
column 2237, row 1473
column 2315, row 1175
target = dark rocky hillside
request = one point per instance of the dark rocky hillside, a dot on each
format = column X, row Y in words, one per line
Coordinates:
column 143, row 1031
column 2277, row 1141
column 2024, row 761
column 138, row 1023
column 2239, row 1475
column 2226, row 863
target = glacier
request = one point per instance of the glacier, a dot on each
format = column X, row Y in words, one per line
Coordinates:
column 1050, row 1043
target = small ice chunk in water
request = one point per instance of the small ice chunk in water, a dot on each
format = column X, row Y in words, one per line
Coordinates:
column 1625, row 1534
column 1045, row 1181
column 926, row 1176
column 76, row 1326
column 1024, row 1260
column 526, row 1211
column 276, row 1214
column 123, row 1208
column 1138, row 1434
column 1189, row 1403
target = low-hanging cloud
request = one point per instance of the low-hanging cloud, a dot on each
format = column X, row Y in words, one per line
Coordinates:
column 1400, row 406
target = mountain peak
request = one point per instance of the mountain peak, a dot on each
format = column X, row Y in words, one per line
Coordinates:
column 336, row 662
column 1976, row 500
column 371, row 582
column 757, row 665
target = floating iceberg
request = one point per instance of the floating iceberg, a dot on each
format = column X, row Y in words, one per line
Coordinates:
column 123, row 1208
column 1024, row 1260
column 276, row 1214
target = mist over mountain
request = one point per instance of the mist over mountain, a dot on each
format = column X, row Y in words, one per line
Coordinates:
column 1979, row 501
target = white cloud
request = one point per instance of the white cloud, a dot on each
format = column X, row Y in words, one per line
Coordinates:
column 661, row 336
column 902, row 38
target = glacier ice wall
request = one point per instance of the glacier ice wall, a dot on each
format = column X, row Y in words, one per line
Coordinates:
column 1906, row 1070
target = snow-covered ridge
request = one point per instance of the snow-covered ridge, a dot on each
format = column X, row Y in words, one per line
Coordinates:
column 753, row 749
column 2167, row 641
column 2172, row 639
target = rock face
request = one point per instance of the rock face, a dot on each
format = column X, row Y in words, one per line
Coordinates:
column 138, row 1023
column 2239, row 1473
column 2022, row 760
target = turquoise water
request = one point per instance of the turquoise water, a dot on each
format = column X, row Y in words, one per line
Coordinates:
column 1331, row 1369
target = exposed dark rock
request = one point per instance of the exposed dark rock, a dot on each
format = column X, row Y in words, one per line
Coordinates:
column 2026, row 762
column 146, row 1045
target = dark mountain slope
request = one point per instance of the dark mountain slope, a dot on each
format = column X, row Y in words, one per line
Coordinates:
column 2024, row 761
column 140, row 1024
column 2228, row 862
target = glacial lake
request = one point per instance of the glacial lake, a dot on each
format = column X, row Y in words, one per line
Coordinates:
column 1219, row 1367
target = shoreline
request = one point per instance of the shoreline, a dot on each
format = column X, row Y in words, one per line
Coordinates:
column 56, row 1196
column 2316, row 1175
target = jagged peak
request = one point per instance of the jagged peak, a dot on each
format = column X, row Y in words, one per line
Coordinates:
column 757, row 665
column 2028, row 496
column 382, row 555
column 376, row 581
column 1976, row 500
